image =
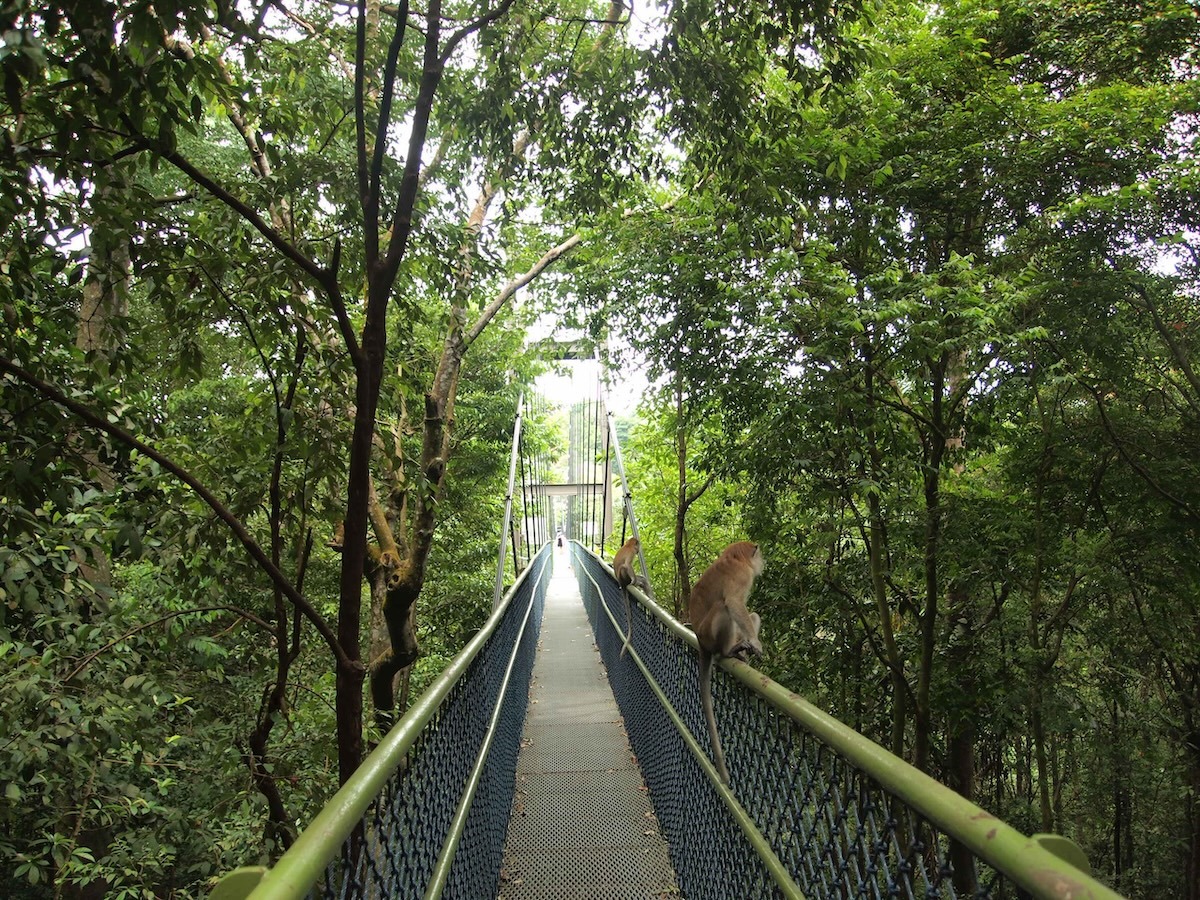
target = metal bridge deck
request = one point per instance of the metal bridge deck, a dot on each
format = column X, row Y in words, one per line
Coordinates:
column 582, row 827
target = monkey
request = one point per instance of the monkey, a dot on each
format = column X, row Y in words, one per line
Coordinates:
column 723, row 625
column 623, row 569
column 339, row 537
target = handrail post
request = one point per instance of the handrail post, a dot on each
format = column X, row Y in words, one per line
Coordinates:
column 626, row 496
column 512, row 477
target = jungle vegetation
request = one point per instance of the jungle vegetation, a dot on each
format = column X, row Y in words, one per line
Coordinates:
column 915, row 286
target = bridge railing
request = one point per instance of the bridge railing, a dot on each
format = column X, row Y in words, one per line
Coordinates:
column 816, row 810
column 428, row 810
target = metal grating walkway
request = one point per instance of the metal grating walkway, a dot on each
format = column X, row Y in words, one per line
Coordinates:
column 582, row 827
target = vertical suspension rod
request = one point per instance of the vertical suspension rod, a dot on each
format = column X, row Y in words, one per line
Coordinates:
column 585, row 470
column 596, row 534
column 535, row 476
column 605, row 480
column 507, row 524
column 626, row 496
column 526, row 465
column 544, row 477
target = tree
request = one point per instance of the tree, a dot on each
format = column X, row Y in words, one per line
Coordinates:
column 249, row 163
column 941, row 264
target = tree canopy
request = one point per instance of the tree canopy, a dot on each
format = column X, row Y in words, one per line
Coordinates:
column 915, row 285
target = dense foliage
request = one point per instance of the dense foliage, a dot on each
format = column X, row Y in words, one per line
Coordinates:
column 918, row 293
column 934, row 328
column 257, row 289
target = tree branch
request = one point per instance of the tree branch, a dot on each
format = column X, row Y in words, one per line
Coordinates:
column 477, row 25
column 385, row 105
column 91, row 657
column 1178, row 502
column 278, row 241
column 338, row 302
column 506, row 293
column 410, row 183
column 1177, row 352
column 234, row 524
column 370, row 204
column 699, row 492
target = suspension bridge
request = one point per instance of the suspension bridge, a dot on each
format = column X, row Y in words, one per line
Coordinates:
column 544, row 763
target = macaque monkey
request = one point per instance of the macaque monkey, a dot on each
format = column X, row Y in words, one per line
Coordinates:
column 723, row 625
column 626, row 574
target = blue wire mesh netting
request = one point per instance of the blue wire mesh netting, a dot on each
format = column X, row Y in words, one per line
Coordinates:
column 837, row 831
column 403, row 832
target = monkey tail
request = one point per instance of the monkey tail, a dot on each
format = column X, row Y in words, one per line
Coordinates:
column 628, row 622
column 706, row 666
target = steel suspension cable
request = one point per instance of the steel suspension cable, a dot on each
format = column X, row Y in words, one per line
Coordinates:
column 606, row 500
column 506, row 527
column 524, row 504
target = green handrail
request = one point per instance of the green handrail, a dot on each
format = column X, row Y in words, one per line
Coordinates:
column 778, row 871
column 441, row 869
column 1023, row 859
column 294, row 875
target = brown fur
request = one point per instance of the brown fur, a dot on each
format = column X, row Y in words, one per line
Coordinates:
column 623, row 568
column 723, row 625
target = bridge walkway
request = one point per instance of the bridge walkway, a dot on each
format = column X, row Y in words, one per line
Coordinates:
column 582, row 825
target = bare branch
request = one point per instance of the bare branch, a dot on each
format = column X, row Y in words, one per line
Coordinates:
column 550, row 257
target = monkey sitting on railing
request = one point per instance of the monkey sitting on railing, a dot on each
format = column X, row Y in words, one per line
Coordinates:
column 723, row 625
column 623, row 570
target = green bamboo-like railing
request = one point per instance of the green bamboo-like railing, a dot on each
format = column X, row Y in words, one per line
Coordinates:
column 1025, row 860
column 305, row 862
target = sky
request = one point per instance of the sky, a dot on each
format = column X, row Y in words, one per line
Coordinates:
column 575, row 380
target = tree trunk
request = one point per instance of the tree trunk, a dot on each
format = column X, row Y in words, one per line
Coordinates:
column 961, row 777
column 103, row 307
column 929, row 615
column 1118, row 790
column 394, row 650
column 105, row 292
column 350, row 671
column 960, row 738
column 683, row 579
column 104, row 303
column 1025, row 769
column 683, row 576
column 1056, row 784
column 1038, row 736
column 877, row 560
column 1192, row 817
column 894, row 661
